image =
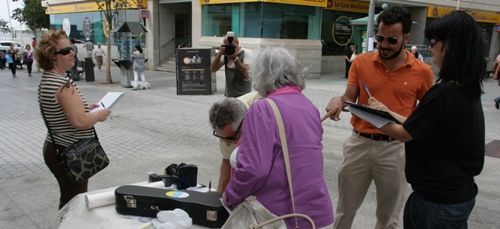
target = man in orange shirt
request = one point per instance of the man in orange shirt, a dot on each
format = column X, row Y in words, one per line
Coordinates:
column 394, row 76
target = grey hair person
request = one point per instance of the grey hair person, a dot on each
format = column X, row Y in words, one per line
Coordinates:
column 274, row 68
column 227, row 111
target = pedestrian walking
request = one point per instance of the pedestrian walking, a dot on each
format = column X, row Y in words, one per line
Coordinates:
column 28, row 58
column 11, row 58
column 99, row 54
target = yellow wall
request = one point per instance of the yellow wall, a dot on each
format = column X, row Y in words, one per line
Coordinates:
column 480, row 16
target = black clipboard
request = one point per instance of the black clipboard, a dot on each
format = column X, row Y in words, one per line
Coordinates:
column 383, row 114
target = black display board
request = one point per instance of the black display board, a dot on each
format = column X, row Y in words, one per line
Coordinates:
column 193, row 72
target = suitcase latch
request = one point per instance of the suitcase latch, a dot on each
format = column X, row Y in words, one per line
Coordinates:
column 212, row 215
column 131, row 201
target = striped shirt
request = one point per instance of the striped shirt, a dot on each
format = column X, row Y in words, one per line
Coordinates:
column 63, row 132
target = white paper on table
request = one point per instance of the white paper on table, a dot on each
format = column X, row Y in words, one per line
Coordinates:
column 108, row 101
column 375, row 120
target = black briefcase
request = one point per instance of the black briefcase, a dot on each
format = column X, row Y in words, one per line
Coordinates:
column 204, row 208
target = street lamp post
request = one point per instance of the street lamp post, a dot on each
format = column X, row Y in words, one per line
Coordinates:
column 369, row 28
column 10, row 20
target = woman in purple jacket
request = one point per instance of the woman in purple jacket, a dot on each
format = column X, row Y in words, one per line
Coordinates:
column 260, row 167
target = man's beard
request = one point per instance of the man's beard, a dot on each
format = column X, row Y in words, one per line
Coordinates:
column 393, row 55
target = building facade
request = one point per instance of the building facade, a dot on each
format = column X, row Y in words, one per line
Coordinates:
column 317, row 31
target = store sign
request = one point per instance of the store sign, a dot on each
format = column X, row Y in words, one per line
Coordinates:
column 342, row 31
column 497, row 28
column 317, row 3
column 480, row 16
column 348, row 6
column 89, row 6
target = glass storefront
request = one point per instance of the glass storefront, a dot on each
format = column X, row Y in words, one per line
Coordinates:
column 262, row 20
column 90, row 25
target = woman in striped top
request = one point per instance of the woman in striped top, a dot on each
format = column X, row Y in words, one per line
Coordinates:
column 65, row 109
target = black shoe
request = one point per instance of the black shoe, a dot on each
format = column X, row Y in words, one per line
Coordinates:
column 497, row 103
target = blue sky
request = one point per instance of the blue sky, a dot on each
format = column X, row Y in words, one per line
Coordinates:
column 4, row 14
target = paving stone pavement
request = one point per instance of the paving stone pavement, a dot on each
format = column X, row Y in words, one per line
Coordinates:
column 153, row 128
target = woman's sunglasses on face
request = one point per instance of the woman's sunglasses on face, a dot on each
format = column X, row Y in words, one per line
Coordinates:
column 392, row 40
column 64, row 51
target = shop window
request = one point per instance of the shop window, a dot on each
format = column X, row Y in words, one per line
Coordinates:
column 217, row 19
column 262, row 20
column 337, row 33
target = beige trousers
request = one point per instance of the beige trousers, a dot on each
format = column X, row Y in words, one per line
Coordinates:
column 366, row 160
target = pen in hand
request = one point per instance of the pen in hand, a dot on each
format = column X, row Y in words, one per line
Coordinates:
column 366, row 89
column 102, row 104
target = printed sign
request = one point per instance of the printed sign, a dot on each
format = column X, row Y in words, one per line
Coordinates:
column 193, row 72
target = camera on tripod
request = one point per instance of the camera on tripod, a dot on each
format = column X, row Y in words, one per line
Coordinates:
column 230, row 48
column 182, row 175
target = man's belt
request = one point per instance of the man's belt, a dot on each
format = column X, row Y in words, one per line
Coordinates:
column 375, row 137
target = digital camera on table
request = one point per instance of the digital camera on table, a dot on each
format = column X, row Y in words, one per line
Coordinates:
column 230, row 48
column 182, row 175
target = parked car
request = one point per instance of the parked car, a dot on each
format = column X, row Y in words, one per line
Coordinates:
column 5, row 45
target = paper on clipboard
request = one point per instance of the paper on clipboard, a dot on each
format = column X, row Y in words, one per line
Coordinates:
column 375, row 117
column 108, row 100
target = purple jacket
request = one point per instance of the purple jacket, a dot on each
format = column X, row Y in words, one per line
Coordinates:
column 261, row 169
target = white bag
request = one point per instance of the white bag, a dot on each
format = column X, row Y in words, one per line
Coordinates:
column 251, row 213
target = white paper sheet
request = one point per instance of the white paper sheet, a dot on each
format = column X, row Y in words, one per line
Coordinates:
column 108, row 100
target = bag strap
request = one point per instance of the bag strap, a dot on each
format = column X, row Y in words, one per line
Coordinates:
column 284, row 146
column 47, row 123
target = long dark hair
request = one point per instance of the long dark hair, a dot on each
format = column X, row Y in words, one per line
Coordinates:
column 463, row 59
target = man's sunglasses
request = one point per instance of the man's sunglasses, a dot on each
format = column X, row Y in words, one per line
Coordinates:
column 64, row 51
column 392, row 40
column 231, row 138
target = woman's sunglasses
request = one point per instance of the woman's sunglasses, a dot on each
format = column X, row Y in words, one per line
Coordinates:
column 392, row 40
column 64, row 51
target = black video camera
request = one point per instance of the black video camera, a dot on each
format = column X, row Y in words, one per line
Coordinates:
column 182, row 175
column 230, row 48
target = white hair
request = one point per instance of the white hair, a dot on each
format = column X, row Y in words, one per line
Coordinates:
column 274, row 68
column 414, row 48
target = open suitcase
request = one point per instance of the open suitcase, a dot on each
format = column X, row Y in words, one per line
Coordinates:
column 204, row 208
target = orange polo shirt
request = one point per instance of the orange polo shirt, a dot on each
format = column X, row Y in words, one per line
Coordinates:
column 398, row 89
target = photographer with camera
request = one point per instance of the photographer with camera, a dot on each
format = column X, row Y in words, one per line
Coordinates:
column 235, row 60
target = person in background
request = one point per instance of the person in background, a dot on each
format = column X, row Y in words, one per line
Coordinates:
column 2, row 59
column 444, row 137
column 260, row 164
column 89, row 46
column 417, row 54
column 226, row 118
column 393, row 75
column 66, row 111
column 74, row 69
column 351, row 55
column 99, row 54
column 28, row 58
column 11, row 57
column 138, row 67
column 236, row 67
